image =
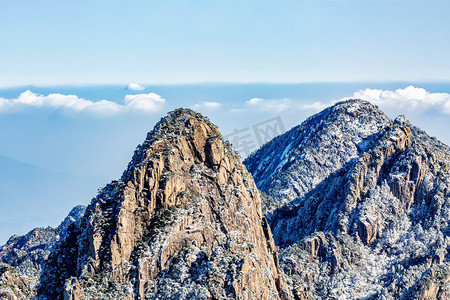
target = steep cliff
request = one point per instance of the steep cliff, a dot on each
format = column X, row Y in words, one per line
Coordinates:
column 368, row 206
column 183, row 221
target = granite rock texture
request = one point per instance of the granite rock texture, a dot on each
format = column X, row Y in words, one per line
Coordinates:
column 183, row 222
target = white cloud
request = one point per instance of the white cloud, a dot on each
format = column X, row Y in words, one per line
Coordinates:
column 134, row 86
column 402, row 100
column 273, row 105
column 209, row 105
column 58, row 101
column 142, row 102
column 409, row 98
column 150, row 102
column 254, row 101
column 212, row 105
column 316, row 106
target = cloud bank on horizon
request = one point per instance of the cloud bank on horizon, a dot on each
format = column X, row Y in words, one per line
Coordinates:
column 149, row 103
column 408, row 99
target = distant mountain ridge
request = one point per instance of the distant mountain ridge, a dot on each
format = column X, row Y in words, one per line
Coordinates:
column 28, row 253
column 367, row 205
column 26, row 191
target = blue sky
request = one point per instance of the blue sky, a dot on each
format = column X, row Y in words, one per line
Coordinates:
column 69, row 113
column 91, row 42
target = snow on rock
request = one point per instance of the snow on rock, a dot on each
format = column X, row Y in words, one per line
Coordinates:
column 375, row 191
column 14, row 285
column 28, row 253
column 321, row 145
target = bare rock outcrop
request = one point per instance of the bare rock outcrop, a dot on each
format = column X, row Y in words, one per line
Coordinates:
column 13, row 285
column 315, row 245
column 183, row 222
column 435, row 285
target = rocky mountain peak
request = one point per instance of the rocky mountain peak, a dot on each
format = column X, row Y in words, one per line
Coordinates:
column 365, row 203
column 402, row 121
column 356, row 109
column 292, row 164
column 74, row 215
column 179, row 123
column 353, row 107
column 184, row 221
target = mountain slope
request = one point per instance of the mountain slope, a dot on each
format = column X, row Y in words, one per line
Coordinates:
column 27, row 253
column 290, row 165
column 184, row 221
column 368, row 205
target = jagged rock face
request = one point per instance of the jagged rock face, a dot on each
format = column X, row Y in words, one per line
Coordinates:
column 374, row 223
column 13, row 285
column 27, row 253
column 184, row 221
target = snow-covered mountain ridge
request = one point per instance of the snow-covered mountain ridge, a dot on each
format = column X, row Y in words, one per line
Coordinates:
column 367, row 205
column 292, row 164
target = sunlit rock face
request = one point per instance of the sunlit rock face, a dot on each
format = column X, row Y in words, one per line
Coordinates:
column 363, row 205
column 14, row 285
column 183, row 222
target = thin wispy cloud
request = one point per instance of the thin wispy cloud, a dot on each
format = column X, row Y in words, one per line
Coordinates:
column 273, row 105
column 149, row 103
column 135, row 87
column 255, row 101
column 209, row 105
column 315, row 107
